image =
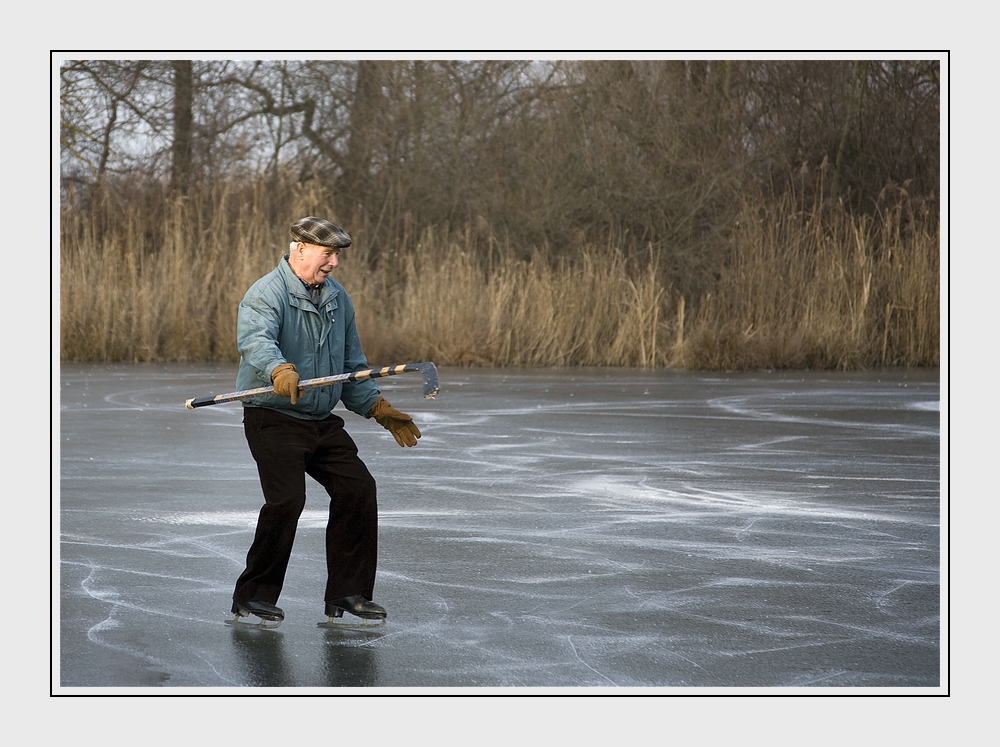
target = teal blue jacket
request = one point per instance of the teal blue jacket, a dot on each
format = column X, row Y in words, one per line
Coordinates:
column 278, row 323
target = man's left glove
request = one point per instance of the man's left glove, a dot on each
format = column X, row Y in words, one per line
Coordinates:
column 399, row 424
column 286, row 382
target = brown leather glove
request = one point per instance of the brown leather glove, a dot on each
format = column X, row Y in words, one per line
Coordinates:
column 399, row 424
column 286, row 382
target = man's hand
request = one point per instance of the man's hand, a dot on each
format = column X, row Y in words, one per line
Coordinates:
column 399, row 424
column 286, row 382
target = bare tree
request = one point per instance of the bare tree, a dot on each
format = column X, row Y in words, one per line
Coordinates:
column 180, row 169
column 649, row 152
column 107, row 121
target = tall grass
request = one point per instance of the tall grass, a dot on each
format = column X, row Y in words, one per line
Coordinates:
column 121, row 300
column 160, row 281
column 823, row 289
column 454, row 307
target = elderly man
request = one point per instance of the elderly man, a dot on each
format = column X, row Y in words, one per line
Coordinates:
column 298, row 322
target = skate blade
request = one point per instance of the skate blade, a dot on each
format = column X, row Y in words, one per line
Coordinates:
column 361, row 623
column 252, row 621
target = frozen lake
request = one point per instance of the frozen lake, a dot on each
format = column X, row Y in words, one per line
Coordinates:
column 555, row 528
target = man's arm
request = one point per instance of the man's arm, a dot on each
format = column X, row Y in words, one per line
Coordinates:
column 360, row 396
column 257, row 326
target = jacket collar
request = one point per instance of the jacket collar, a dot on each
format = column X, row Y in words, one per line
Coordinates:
column 297, row 287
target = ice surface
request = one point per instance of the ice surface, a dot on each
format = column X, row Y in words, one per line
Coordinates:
column 558, row 528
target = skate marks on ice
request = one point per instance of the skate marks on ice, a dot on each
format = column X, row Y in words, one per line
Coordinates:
column 143, row 605
column 557, row 529
column 611, row 601
column 791, row 541
column 813, row 589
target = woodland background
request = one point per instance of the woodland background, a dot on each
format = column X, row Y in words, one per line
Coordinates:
column 699, row 214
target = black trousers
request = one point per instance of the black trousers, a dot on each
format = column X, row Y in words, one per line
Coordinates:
column 287, row 449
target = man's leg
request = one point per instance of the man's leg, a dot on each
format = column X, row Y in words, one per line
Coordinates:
column 280, row 445
column 352, row 529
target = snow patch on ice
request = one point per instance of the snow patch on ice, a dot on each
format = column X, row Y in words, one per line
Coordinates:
column 239, row 519
column 309, row 519
column 717, row 502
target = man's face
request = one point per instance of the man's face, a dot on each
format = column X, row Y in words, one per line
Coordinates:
column 314, row 263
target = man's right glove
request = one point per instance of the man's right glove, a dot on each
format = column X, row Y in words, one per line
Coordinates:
column 286, row 382
column 399, row 424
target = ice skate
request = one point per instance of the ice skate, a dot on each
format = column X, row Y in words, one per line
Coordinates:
column 256, row 615
column 370, row 615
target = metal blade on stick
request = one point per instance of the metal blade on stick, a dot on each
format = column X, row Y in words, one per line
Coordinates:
column 428, row 370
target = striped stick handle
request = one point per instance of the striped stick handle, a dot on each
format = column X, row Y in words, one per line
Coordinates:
column 428, row 370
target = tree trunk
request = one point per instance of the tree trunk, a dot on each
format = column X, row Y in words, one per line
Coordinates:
column 363, row 128
column 180, row 175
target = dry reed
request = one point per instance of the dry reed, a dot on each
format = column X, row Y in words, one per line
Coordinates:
column 816, row 289
column 823, row 290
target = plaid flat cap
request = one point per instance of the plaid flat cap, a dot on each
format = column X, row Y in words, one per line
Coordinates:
column 313, row 230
